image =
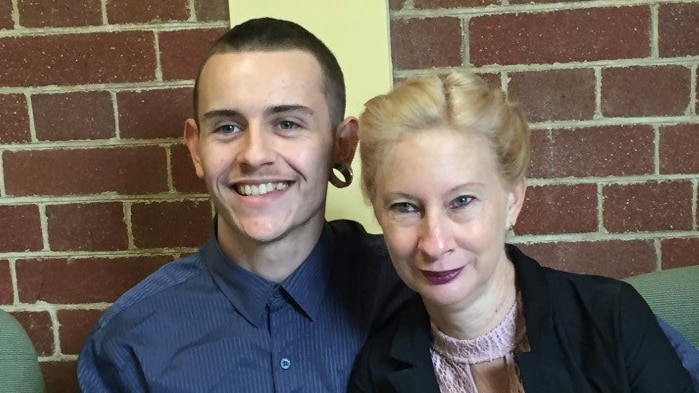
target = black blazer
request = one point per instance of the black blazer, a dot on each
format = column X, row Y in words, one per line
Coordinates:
column 586, row 333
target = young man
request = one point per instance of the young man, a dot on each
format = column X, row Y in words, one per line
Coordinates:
column 278, row 300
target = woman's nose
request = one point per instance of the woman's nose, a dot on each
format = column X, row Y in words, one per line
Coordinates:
column 435, row 238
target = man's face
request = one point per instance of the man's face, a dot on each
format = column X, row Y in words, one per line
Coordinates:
column 264, row 145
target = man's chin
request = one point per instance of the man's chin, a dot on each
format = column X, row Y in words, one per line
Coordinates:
column 263, row 232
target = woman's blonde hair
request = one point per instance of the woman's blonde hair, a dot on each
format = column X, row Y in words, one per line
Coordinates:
column 459, row 101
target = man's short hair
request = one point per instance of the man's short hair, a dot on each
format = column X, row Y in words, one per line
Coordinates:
column 268, row 34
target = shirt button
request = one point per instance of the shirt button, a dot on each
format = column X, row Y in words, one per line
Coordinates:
column 285, row 363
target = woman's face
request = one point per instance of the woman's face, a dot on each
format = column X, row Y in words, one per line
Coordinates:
column 444, row 210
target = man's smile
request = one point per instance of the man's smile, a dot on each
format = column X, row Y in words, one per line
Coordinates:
column 260, row 189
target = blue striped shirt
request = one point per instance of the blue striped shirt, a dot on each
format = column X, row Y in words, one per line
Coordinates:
column 204, row 324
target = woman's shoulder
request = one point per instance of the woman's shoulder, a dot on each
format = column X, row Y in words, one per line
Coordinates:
column 400, row 345
column 406, row 330
column 559, row 283
column 410, row 318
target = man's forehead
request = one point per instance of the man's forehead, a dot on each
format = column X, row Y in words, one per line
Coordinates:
column 287, row 60
column 263, row 70
column 257, row 80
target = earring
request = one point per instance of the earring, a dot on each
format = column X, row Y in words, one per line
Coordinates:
column 346, row 173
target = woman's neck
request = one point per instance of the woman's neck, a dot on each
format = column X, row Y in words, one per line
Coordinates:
column 481, row 313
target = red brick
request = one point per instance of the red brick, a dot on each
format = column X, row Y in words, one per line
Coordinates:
column 154, row 113
column 171, row 224
column 556, row 37
column 678, row 29
column 184, row 178
column 6, row 296
column 6, row 21
column 128, row 170
column 69, row 116
column 39, row 328
column 182, row 51
column 679, row 252
column 542, row 153
column 70, row 59
column 210, row 11
column 59, row 13
column 613, row 258
column 650, row 206
column 542, row 1
column 145, row 11
column 426, row 43
column 14, row 119
column 453, row 3
column 547, row 209
column 593, row 151
column 87, row 227
column 75, row 326
column 678, row 149
column 645, row 91
column 555, row 94
column 492, row 79
column 396, row 4
column 61, row 376
column 101, row 279
column 27, row 218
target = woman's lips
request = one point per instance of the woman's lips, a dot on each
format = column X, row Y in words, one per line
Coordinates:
column 441, row 277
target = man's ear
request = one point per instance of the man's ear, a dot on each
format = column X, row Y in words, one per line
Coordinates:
column 515, row 201
column 191, row 138
column 346, row 140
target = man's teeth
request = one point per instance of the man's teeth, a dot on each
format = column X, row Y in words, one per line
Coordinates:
column 260, row 189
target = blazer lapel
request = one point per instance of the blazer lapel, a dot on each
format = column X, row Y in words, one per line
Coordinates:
column 411, row 346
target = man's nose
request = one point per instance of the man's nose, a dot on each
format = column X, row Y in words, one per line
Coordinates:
column 257, row 147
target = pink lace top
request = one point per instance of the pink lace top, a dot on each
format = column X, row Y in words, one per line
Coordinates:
column 483, row 364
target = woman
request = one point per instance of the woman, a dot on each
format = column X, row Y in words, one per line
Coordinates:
column 443, row 164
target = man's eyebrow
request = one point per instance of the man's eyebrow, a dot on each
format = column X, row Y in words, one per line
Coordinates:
column 272, row 110
column 217, row 113
column 288, row 108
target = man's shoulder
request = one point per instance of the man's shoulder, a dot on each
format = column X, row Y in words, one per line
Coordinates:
column 353, row 238
column 359, row 254
column 166, row 282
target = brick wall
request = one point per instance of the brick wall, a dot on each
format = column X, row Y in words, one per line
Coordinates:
column 93, row 172
column 94, row 177
column 611, row 90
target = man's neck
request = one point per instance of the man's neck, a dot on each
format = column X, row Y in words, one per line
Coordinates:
column 274, row 260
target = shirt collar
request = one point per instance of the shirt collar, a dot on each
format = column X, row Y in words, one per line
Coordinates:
column 249, row 293
column 307, row 284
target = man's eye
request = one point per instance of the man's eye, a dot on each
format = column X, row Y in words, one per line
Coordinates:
column 461, row 201
column 403, row 207
column 228, row 129
column 288, row 125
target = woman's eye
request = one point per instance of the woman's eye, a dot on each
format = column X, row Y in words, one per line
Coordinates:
column 228, row 129
column 462, row 201
column 403, row 207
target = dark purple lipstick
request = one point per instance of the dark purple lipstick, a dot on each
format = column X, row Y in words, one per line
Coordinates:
column 441, row 277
